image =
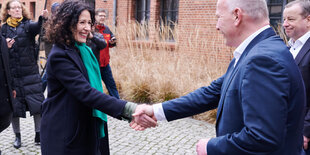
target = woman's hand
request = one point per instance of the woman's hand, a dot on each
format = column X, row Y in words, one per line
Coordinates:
column 45, row 14
column 10, row 42
column 90, row 35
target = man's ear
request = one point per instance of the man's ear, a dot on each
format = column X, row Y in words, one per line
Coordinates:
column 237, row 13
column 308, row 21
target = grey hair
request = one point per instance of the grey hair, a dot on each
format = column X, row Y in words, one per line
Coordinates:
column 102, row 10
column 257, row 9
column 304, row 4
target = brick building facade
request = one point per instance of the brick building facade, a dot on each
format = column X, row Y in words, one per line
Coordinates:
column 195, row 20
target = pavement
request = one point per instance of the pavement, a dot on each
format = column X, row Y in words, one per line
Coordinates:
column 168, row 138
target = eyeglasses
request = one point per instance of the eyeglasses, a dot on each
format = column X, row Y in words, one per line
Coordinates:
column 16, row 7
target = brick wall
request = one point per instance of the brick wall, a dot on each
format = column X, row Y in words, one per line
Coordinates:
column 196, row 24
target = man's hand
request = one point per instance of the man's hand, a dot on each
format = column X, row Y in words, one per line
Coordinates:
column 306, row 141
column 143, row 118
column 112, row 40
column 201, row 146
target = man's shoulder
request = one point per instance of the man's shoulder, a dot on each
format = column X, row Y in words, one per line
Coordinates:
column 272, row 48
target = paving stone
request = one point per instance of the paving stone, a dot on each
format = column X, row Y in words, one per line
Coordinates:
column 177, row 137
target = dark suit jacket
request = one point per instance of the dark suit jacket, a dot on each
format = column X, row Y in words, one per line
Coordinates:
column 303, row 61
column 67, row 125
column 260, row 102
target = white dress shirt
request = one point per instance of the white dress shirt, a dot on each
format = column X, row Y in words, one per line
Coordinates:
column 158, row 108
column 298, row 44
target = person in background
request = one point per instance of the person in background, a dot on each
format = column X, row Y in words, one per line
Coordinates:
column 296, row 23
column 47, row 45
column 261, row 97
column 105, row 69
column 74, row 113
column 20, row 35
column 7, row 92
column 96, row 42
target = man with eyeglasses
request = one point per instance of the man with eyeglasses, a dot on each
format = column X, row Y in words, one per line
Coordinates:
column 296, row 23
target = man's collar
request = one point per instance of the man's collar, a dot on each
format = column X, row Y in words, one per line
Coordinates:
column 239, row 50
column 302, row 39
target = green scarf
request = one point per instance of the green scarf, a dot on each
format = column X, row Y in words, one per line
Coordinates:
column 93, row 72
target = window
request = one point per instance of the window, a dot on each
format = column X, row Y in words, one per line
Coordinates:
column 169, row 17
column 142, row 16
column 33, row 9
column 143, row 11
column 275, row 8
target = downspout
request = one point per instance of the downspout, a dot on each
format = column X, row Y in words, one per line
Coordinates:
column 114, row 13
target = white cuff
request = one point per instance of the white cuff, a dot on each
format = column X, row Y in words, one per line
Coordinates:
column 159, row 112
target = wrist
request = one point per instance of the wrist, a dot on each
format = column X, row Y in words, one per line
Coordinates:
column 129, row 109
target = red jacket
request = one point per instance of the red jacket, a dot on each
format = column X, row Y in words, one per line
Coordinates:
column 104, row 53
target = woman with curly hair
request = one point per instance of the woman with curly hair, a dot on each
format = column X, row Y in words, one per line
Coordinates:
column 20, row 34
column 74, row 113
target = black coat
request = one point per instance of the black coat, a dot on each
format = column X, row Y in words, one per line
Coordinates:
column 96, row 44
column 5, row 80
column 24, row 67
column 67, row 125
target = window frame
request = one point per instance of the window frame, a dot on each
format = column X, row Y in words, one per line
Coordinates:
column 164, row 15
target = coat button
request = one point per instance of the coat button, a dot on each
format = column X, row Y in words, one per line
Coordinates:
column 7, row 99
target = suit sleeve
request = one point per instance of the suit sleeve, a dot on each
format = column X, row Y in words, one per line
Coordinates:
column 201, row 100
column 68, row 74
column 307, row 123
column 305, row 71
column 264, row 92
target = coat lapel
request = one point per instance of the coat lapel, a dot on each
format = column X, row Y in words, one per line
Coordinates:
column 304, row 50
column 260, row 37
column 74, row 55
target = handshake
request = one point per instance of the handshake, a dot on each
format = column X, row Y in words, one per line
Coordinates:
column 143, row 118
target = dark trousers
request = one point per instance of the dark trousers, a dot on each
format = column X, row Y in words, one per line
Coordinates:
column 107, row 77
column 5, row 121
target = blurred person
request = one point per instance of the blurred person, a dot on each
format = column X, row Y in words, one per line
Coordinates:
column 96, row 42
column 6, row 87
column 296, row 22
column 20, row 34
column 47, row 45
column 261, row 97
column 74, row 113
column 105, row 69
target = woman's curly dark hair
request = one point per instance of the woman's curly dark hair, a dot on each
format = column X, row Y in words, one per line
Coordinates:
column 59, row 26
